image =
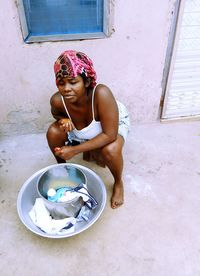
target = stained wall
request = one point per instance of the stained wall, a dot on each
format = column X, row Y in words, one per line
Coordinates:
column 130, row 62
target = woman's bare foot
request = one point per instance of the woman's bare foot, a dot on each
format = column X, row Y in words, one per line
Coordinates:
column 117, row 198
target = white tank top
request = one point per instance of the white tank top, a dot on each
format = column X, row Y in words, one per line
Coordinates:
column 90, row 131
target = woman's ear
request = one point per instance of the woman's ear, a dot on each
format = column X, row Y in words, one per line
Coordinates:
column 87, row 82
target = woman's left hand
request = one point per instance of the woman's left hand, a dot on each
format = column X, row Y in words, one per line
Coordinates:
column 66, row 152
column 66, row 124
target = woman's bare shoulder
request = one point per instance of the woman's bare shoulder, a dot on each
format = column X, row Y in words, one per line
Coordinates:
column 103, row 92
column 103, row 88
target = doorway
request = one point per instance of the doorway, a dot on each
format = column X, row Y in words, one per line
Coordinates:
column 181, row 81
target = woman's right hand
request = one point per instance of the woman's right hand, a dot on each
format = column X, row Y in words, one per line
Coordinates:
column 66, row 125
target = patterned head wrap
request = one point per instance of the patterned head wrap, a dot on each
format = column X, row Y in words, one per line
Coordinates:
column 72, row 63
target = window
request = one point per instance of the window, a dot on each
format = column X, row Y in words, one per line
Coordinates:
column 50, row 20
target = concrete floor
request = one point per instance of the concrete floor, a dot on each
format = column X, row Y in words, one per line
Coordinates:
column 155, row 233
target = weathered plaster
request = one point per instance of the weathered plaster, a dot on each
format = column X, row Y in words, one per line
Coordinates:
column 130, row 62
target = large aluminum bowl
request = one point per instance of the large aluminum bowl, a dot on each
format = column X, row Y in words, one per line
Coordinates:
column 29, row 192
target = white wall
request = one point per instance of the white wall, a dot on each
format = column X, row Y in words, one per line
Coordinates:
column 130, row 62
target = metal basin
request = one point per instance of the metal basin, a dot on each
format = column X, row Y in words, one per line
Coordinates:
column 29, row 193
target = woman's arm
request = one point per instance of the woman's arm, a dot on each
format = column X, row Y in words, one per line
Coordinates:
column 58, row 112
column 57, row 109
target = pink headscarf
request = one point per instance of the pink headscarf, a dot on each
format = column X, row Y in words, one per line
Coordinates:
column 72, row 63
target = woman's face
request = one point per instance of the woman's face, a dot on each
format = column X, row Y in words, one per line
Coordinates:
column 72, row 89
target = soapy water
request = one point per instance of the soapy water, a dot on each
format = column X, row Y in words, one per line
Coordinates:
column 55, row 184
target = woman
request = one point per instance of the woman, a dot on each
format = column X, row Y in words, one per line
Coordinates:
column 88, row 119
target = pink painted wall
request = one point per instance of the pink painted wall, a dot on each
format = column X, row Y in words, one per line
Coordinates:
column 130, row 62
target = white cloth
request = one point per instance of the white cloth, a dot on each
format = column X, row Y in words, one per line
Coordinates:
column 69, row 195
column 41, row 218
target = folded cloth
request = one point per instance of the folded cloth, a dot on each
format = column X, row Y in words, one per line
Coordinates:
column 41, row 218
column 84, row 214
column 89, row 200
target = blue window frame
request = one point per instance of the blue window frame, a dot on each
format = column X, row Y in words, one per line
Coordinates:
column 50, row 20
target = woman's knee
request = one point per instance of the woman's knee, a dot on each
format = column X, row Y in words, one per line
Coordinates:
column 54, row 132
column 111, row 151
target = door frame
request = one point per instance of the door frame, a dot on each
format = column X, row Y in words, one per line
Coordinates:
column 170, row 58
